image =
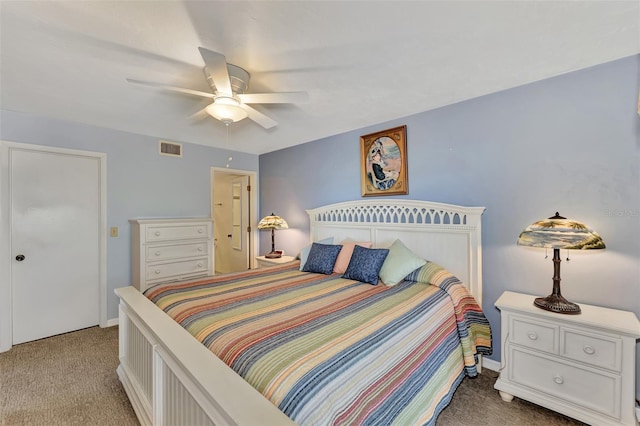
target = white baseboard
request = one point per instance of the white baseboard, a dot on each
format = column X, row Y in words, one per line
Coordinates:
column 112, row 322
column 638, row 412
column 490, row 364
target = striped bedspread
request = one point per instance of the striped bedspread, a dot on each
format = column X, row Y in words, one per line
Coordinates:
column 328, row 350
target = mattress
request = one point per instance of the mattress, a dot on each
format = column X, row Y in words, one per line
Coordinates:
column 328, row 350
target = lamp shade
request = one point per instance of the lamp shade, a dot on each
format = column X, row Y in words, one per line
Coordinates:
column 561, row 233
column 272, row 222
column 558, row 232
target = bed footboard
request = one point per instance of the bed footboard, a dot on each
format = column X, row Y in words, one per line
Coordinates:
column 170, row 378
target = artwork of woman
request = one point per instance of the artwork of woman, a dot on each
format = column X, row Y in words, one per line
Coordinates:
column 383, row 163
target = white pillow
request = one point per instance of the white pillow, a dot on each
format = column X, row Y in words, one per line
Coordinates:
column 399, row 263
column 304, row 253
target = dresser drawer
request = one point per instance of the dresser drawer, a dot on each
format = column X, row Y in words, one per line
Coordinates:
column 177, row 269
column 597, row 349
column 534, row 334
column 582, row 386
column 176, row 232
column 175, row 251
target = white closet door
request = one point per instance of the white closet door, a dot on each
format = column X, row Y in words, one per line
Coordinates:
column 239, row 223
column 55, row 238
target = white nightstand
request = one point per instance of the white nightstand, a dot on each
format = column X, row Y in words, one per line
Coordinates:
column 580, row 365
column 263, row 262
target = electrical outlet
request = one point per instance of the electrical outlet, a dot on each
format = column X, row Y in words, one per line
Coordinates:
column 114, row 231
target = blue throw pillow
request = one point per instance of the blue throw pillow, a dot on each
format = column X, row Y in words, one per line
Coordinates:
column 304, row 253
column 365, row 264
column 321, row 258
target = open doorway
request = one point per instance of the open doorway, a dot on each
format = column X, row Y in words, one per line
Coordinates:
column 234, row 211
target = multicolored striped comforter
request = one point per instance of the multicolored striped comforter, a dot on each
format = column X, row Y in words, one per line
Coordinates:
column 328, row 350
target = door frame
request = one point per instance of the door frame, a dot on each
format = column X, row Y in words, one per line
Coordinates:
column 253, row 208
column 6, row 313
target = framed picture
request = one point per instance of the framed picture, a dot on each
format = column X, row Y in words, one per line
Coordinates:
column 383, row 162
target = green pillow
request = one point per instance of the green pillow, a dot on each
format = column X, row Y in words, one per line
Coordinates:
column 399, row 263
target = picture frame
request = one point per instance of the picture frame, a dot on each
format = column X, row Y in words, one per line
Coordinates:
column 383, row 162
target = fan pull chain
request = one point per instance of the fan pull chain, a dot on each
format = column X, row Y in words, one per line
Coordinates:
column 229, row 157
column 546, row 255
column 568, row 256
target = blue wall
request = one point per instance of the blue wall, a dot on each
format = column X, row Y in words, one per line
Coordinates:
column 140, row 182
column 569, row 144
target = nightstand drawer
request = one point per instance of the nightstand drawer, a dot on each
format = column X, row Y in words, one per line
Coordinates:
column 534, row 334
column 585, row 387
column 596, row 349
column 179, row 232
column 177, row 269
column 175, row 251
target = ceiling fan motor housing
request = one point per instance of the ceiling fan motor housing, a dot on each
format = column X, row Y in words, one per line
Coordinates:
column 239, row 78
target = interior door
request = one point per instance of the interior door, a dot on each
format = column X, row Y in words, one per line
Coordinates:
column 55, row 243
column 239, row 223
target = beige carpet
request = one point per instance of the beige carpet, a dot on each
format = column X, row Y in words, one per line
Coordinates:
column 71, row 380
column 68, row 379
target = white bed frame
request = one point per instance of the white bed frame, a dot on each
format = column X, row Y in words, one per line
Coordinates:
column 172, row 379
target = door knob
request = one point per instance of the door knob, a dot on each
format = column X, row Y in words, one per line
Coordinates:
column 20, row 257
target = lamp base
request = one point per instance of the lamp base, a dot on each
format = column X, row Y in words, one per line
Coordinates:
column 276, row 254
column 558, row 304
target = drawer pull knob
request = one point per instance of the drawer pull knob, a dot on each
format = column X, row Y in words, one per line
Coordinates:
column 157, row 233
column 200, row 231
column 199, row 248
column 157, row 253
column 157, row 271
column 532, row 335
column 199, row 265
column 558, row 379
column 589, row 350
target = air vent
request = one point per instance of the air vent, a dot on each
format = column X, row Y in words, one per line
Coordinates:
column 171, row 149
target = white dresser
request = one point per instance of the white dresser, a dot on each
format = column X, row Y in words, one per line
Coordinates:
column 170, row 250
column 580, row 365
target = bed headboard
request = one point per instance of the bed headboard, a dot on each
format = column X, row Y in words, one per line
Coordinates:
column 447, row 234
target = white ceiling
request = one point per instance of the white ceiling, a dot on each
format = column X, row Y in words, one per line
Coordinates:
column 362, row 62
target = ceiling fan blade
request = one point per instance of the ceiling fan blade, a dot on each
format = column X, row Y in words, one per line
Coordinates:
column 199, row 115
column 172, row 88
column 274, row 98
column 216, row 65
column 259, row 117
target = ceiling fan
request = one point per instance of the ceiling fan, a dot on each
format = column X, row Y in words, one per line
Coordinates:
column 228, row 83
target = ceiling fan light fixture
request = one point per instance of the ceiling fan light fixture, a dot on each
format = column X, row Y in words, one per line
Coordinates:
column 226, row 109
